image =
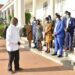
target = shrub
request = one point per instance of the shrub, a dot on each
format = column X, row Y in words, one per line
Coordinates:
column 1, row 29
column 27, row 17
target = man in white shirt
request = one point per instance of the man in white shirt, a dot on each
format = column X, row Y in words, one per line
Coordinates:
column 12, row 44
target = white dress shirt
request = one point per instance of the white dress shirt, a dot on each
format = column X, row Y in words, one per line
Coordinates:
column 12, row 38
column 68, row 22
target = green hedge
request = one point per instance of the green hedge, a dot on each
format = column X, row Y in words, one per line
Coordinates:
column 1, row 29
column 27, row 18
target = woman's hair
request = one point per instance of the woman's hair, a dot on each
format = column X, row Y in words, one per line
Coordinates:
column 69, row 13
column 47, row 19
column 49, row 16
column 14, row 21
column 58, row 16
column 38, row 22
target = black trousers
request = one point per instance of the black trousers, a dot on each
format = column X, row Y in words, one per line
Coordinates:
column 13, row 57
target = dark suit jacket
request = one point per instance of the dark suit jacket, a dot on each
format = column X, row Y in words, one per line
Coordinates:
column 71, row 25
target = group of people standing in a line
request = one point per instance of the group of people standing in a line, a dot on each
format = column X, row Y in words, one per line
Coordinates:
column 34, row 32
column 61, row 30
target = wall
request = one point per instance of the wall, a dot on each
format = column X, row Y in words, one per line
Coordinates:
column 40, row 12
column 60, row 7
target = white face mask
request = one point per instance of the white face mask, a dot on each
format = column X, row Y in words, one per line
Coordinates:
column 67, row 16
column 34, row 21
column 45, row 22
column 57, row 19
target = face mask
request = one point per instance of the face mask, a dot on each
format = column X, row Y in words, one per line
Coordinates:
column 67, row 16
column 45, row 22
column 34, row 21
column 56, row 19
column 16, row 24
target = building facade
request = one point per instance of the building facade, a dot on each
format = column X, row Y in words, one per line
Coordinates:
column 38, row 8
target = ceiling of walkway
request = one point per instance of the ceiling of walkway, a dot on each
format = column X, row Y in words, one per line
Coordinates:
column 28, row 1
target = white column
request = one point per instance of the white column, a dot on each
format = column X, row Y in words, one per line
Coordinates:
column 7, row 16
column 4, row 15
column 11, row 11
column 52, row 8
column 21, row 13
column 34, row 8
column 16, row 8
column 0, row 13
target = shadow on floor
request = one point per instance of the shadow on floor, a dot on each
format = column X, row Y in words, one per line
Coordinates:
column 3, row 60
column 44, row 69
column 5, row 51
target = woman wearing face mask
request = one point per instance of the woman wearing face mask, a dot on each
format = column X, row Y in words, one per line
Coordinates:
column 48, row 34
column 58, row 35
column 39, row 35
column 29, row 33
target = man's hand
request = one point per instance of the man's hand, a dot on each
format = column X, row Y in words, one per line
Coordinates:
column 65, row 30
column 54, row 35
column 19, row 43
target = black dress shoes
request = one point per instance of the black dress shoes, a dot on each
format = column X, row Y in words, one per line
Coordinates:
column 19, row 69
column 47, row 51
column 11, row 72
column 54, row 54
column 60, row 56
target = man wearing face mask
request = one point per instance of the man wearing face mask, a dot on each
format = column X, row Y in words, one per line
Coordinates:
column 69, row 31
column 34, row 31
column 58, row 35
column 65, row 18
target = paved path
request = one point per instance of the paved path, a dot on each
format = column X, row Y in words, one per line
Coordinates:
column 2, row 42
column 33, row 64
